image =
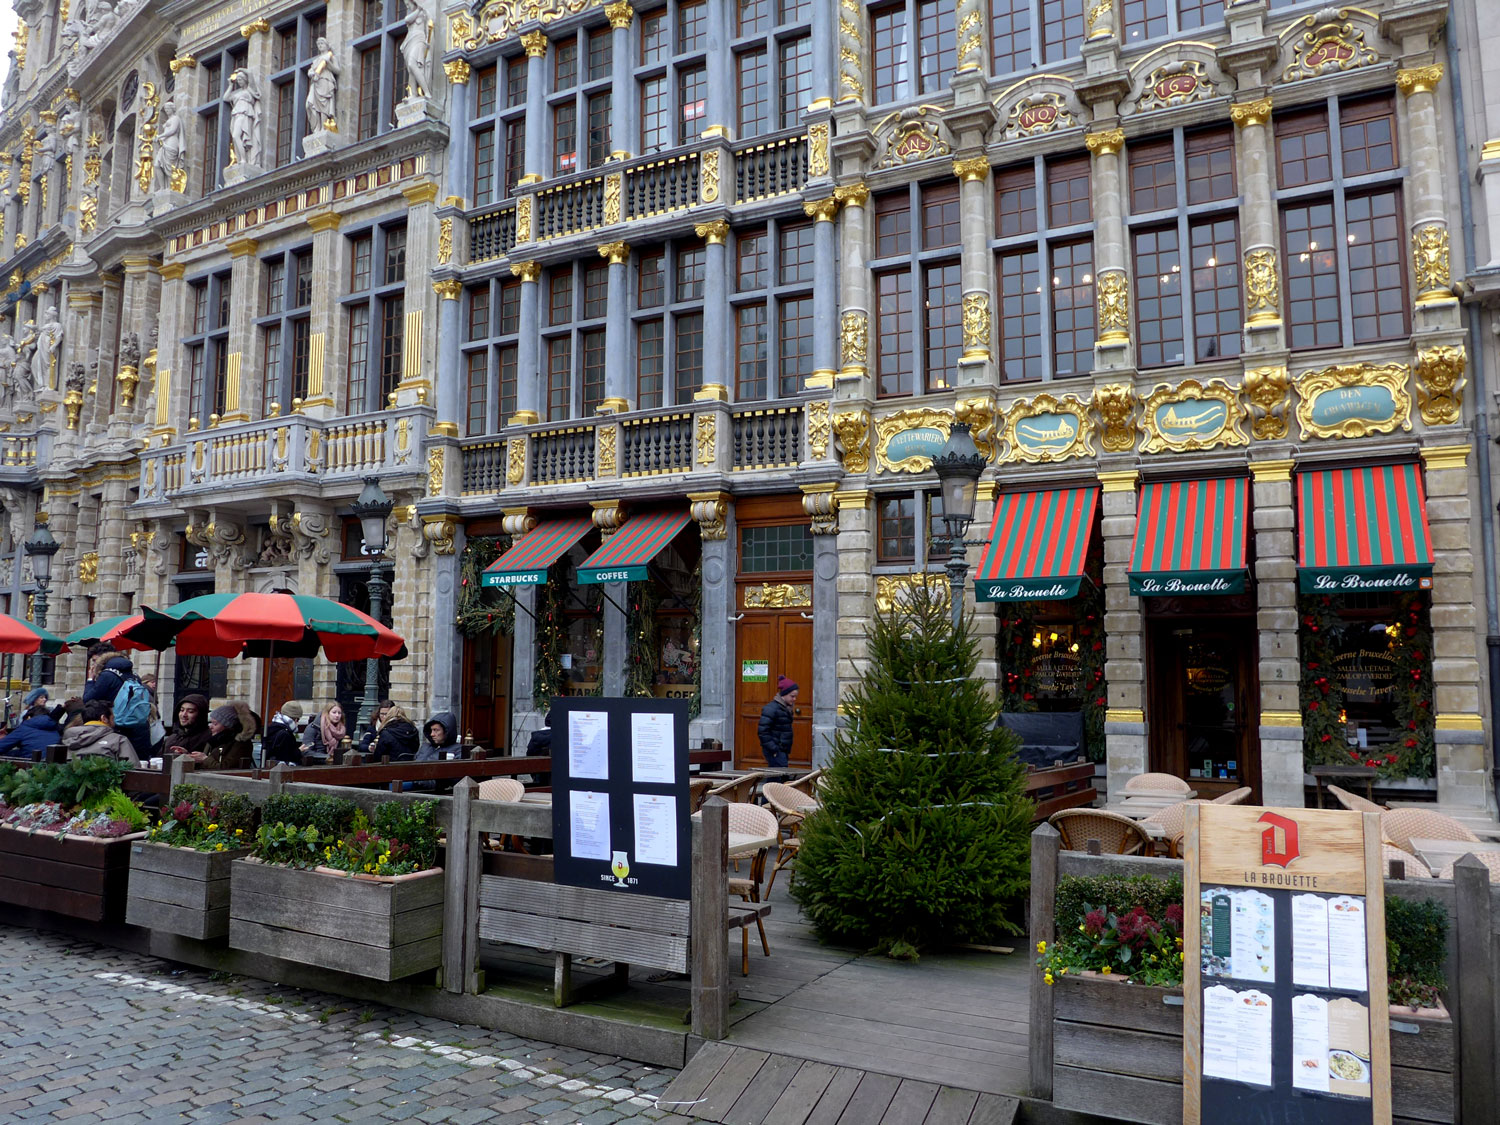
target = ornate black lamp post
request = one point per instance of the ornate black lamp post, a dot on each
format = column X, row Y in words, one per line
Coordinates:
column 372, row 509
column 40, row 548
column 958, row 466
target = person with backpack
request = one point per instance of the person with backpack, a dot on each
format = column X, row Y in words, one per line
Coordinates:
column 130, row 700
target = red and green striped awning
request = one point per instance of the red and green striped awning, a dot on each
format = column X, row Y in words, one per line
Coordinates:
column 1362, row 529
column 624, row 555
column 1038, row 544
column 526, row 563
column 1190, row 538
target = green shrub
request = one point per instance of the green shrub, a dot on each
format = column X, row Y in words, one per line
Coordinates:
column 119, row 807
column 8, row 779
column 1416, row 947
column 331, row 816
column 1114, row 894
column 70, row 784
column 281, row 842
column 414, row 824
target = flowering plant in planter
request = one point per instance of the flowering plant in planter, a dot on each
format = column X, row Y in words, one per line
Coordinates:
column 206, row 821
column 104, row 821
column 77, row 798
column 1134, row 944
column 402, row 839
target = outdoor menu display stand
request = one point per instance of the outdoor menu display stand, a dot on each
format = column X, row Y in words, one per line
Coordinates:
column 620, row 802
column 1284, row 974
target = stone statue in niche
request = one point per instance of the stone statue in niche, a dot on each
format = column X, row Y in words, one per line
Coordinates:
column 323, row 88
column 48, row 340
column 12, row 80
column 130, row 351
column 244, row 119
column 171, row 150
column 70, row 127
column 44, row 153
column 98, row 23
column 20, row 371
column 7, row 365
column 416, row 50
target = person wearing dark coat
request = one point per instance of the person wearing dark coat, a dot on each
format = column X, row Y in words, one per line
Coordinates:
column 36, row 731
column 775, row 726
column 398, row 737
column 97, row 735
column 440, row 738
column 190, row 735
column 279, row 743
column 372, row 730
column 106, row 686
column 232, row 730
column 539, row 745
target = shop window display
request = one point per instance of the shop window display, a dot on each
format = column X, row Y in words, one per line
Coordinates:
column 664, row 626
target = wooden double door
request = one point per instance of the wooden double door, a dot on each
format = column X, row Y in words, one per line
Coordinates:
column 1205, row 702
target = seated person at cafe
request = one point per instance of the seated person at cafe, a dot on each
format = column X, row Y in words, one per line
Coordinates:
column 97, row 735
column 37, row 729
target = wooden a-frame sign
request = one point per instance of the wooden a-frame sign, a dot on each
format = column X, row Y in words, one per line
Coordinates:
column 1293, row 904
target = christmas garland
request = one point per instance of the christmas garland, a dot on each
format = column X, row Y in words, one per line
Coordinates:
column 1417, row 748
column 1017, row 626
column 695, row 707
column 549, row 679
column 483, row 609
column 644, row 641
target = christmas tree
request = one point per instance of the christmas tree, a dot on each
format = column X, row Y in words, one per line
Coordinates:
column 924, row 834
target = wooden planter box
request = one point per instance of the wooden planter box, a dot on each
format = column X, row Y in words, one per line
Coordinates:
column 180, row 890
column 383, row 929
column 1117, row 1049
column 79, row 876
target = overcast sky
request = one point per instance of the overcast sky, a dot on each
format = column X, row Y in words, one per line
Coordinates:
column 7, row 41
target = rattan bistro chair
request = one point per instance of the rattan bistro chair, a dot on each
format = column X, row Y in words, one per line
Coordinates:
column 1354, row 802
column 698, row 789
column 1233, row 797
column 790, row 806
column 752, row 820
column 1489, row 859
column 808, row 783
column 738, row 790
column 1117, row 835
column 1415, row 868
column 1156, row 783
column 1402, row 826
column 501, row 789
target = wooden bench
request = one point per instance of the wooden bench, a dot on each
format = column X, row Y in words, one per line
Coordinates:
column 1055, row 788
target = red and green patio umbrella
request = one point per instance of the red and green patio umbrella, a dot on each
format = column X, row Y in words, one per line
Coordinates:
column 20, row 636
column 111, row 629
column 266, row 625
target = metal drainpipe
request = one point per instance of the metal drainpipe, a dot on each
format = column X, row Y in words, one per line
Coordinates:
column 1482, row 406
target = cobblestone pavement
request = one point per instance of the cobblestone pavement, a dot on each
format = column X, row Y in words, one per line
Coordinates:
column 90, row 1034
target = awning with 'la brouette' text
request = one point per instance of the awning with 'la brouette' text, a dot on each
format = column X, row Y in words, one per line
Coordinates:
column 1039, row 542
column 1362, row 530
column 1190, row 538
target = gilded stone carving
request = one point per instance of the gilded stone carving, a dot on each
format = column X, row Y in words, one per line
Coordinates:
column 535, row 43
column 903, row 422
column 439, row 531
column 715, row 233
column 822, row 507
column 605, row 453
column 852, row 195
column 911, row 135
column 851, row 52
column 1440, row 384
column 893, row 590
column 817, row 149
column 1040, row 113
column 1262, row 287
column 525, row 229
column 1245, row 114
column 614, row 187
column 619, row 13
column 1106, row 142
column 778, row 595
column 1044, row 429
column 526, row 271
column 457, row 71
column 437, row 469
column 970, row 53
column 711, row 511
column 1115, row 405
column 1114, row 307
column 1352, row 400
column 1419, row 79
column 516, row 522
column 449, row 289
column 1175, row 83
column 976, row 322
column 821, row 210
column 1099, row 21
column 980, row 414
column 1329, row 46
column 854, row 333
column 1191, row 416
column 708, row 176
column 616, row 253
column 973, row 168
column 706, row 438
column 515, row 465
column 1429, row 262
column 818, row 429
column 1269, row 392
column 88, row 568
column 445, row 240
column 853, row 431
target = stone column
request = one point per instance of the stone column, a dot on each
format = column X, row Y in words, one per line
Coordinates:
column 975, row 209
column 1112, row 349
column 1125, row 728
column 1426, row 205
column 624, row 128
column 137, row 313
column 244, row 284
column 855, row 585
column 460, row 154
column 327, row 345
column 608, row 516
column 617, row 328
column 721, row 83
column 1463, row 765
column 714, row 513
column 825, row 42
column 537, row 124
column 1264, row 330
column 825, row 292
column 114, row 588
column 517, row 522
column 715, row 302
column 450, row 384
column 1274, row 521
column 854, row 292
column 820, row 503
column 419, row 347
column 529, row 384
column 168, row 395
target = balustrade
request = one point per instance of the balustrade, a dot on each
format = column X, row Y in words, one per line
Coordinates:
column 484, row 468
column 775, row 168
column 662, row 185
column 767, row 438
column 561, row 456
column 493, row 234
column 651, row 446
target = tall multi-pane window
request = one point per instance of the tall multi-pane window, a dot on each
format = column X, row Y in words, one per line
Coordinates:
column 1025, row 32
column 294, row 46
column 1151, row 19
column 497, row 129
column 573, row 340
column 375, row 313
column 492, row 320
column 213, row 114
column 669, row 323
column 578, row 107
column 1184, row 238
column 285, row 327
column 909, row 528
column 913, row 48
column 380, row 70
column 918, row 329
column 773, row 64
column 671, row 74
column 1044, row 269
column 207, row 343
column 1339, row 193
column 773, row 310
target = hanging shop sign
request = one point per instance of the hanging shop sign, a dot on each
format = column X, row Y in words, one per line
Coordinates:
column 1192, row 415
column 1353, row 400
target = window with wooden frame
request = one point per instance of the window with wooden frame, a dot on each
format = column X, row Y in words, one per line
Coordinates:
column 497, row 129
column 909, row 528
column 1044, row 269
column 375, row 314
column 914, row 45
column 573, row 340
column 578, row 108
column 380, row 68
column 207, row 344
column 772, row 309
column 772, row 47
column 285, row 327
column 213, row 113
column 491, row 328
column 293, row 48
column 918, row 289
column 1343, row 251
column 1153, row 19
column 1183, row 208
column 671, row 75
column 668, row 323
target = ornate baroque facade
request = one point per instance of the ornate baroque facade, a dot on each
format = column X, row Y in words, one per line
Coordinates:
column 746, row 263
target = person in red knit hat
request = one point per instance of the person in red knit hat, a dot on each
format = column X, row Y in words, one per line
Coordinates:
column 775, row 727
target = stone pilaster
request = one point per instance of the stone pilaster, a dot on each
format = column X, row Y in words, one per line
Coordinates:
column 622, row 98
column 1463, row 766
column 853, row 381
column 976, row 210
column 721, row 84
column 451, row 387
column 537, row 124
column 825, row 292
column 1426, row 204
column 820, row 503
column 167, row 396
column 530, row 388
column 1264, row 330
column 139, row 300
column 419, row 346
column 617, row 327
column 608, row 516
column 984, row 623
column 1112, row 348
column 1281, row 764
column 716, row 331
column 1125, row 723
column 714, row 512
column 327, row 345
column 855, row 585
column 242, row 381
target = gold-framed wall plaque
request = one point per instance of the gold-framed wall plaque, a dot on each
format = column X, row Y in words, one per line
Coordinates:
column 1192, row 415
column 1352, row 400
column 907, row 441
column 1045, row 428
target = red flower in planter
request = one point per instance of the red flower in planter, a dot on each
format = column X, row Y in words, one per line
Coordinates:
column 1313, row 706
column 1353, row 753
column 1390, row 759
column 1094, row 922
column 1411, row 743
